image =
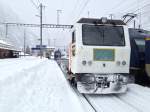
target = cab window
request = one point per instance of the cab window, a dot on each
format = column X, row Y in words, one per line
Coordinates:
column 103, row 35
column 73, row 37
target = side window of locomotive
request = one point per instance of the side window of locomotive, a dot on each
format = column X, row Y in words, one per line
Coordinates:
column 73, row 37
column 141, row 44
column 73, row 41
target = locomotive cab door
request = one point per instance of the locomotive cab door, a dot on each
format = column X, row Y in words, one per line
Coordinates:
column 73, row 43
column 147, row 56
column 72, row 50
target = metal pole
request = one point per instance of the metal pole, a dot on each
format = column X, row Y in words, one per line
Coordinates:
column 54, row 42
column 49, row 42
column 6, row 31
column 134, row 24
column 88, row 14
column 41, row 53
column 24, row 42
column 140, row 15
column 140, row 19
column 57, row 18
column 58, row 12
column 111, row 16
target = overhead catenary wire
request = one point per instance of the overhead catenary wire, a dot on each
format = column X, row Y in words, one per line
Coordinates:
column 84, row 6
column 34, row 4
column 82, row 9
column 74, row 10
column 130, row 6
column 118, row 5
column 147, row 25
column 140, row 11
column 39, row 1
column 144, row 12
column 141, row 7
column 75, row 6
column 136, row 9
column 145, row 21
column 133, row 6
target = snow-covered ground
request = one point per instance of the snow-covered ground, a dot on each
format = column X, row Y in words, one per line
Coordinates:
column 38, row 85
column 136, row 99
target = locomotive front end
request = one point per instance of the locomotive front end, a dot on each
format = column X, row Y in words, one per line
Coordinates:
column 100, row 56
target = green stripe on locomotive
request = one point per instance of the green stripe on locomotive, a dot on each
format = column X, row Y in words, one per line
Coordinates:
column 104, row 54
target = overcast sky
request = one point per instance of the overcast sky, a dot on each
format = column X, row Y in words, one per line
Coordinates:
column 72, row 10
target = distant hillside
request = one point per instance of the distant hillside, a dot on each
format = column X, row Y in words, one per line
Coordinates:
column 15, row 34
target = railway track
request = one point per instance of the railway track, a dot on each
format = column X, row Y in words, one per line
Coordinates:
column 90, row 103
column 136, row 99
column 83, row 98
column 130, row 105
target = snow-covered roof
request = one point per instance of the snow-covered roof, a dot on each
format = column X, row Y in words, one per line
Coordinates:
column 2, row 42
column 50, row 47
column 5, row 44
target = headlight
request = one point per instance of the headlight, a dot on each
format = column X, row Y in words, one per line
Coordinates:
column 118, row 63
column 89, row 63
column 84, row 62
column 124, row 63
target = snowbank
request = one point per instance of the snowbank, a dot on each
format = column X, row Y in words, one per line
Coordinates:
column 35, row 85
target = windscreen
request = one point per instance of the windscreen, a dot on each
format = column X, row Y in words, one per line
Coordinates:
column 102, row 35
column 141, row 44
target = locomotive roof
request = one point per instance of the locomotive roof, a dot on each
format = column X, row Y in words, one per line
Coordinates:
column 99, row 21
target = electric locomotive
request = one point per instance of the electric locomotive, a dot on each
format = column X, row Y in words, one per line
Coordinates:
column 99, row 56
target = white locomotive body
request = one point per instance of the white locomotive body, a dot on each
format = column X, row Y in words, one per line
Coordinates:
column 100, row 56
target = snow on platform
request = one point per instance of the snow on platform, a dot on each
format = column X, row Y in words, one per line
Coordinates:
column 36, row 85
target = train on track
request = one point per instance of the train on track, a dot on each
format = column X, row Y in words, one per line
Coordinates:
column 140, row 56
column 8, row 50
column 57, row 54
column 99, row 56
